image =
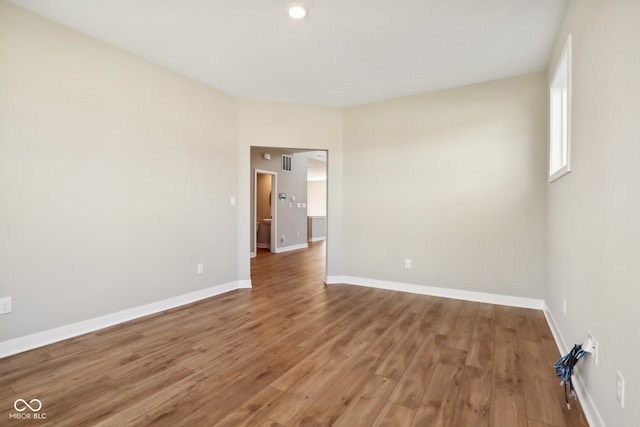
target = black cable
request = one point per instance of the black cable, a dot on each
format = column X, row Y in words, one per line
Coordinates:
column 564, row 369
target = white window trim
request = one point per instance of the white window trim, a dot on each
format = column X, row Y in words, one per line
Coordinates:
column 563, row 66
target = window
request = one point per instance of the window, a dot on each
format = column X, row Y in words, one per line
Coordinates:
column 560, row 116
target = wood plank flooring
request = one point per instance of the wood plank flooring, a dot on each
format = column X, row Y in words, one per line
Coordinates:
column 293, row 352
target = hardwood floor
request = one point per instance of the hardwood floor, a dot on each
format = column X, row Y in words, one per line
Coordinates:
column 292, row 352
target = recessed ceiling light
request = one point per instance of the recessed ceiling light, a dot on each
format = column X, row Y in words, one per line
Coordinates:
column 297, row 12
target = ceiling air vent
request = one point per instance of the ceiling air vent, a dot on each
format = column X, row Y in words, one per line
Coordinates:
column 286, row 163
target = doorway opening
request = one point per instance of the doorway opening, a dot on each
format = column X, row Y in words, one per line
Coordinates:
column 265, row 210
column 289, row 205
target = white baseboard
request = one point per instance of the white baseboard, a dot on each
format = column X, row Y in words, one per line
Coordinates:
column 563, row 348
column 244, row 284
column 39, row 339
column 292, row 248
column 318, row 239
column 588, row 407
column 484, row 297
column 263, row 245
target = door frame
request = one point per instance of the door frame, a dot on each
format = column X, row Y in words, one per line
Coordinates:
column 274, row 209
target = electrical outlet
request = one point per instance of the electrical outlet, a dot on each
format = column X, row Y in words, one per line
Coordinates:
column 620, row 388
column 595, row 345
column 200, row 268
column 5, row 305
column 407, row 264
column 564, row 306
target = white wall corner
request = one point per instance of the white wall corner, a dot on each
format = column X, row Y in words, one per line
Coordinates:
column 40, row 339
column 588, row 406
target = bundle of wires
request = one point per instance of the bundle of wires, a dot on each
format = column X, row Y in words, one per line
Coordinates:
column 564, row 370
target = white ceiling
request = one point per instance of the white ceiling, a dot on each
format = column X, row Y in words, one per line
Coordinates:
column 346, row 52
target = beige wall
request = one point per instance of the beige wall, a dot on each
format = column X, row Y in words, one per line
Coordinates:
column 317, row 195
column 454, row 181
column 114, row 178
column 594, row 212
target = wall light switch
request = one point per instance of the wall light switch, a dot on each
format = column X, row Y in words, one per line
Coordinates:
column 200, row 268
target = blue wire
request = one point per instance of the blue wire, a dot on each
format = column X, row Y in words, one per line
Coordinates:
column 564, row 369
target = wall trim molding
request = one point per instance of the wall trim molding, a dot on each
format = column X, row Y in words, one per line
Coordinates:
column 292, row 248
column 317, row 239
column 40, row 339
column 474, row 296
column 586, row 401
